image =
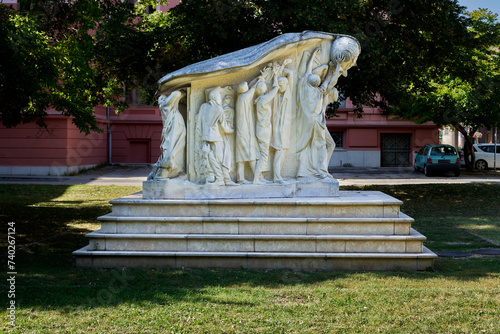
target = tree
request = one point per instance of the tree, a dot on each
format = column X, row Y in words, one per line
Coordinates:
column 49, row 59
column 464, row 102
column 407, row 47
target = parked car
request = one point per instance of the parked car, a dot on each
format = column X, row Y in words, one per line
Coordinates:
column 437, row 158
column 485, row 155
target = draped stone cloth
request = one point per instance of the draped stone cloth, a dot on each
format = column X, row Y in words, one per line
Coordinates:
column 227, row 131
column 282, row 120
column 246, row 143
column 173, row 142
column 311, row 140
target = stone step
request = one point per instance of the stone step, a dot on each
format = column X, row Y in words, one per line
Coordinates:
column 256, row 225
column 352, row 231
column 86, row 257
column 366, row 204
column 258, row 243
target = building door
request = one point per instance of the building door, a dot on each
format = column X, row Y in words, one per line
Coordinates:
column 395, row 150
column 139, row 152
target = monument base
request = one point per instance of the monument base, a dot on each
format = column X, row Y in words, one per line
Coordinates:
column 183, row 189
column 352, row 231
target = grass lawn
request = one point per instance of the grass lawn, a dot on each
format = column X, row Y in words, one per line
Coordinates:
column 461, row 295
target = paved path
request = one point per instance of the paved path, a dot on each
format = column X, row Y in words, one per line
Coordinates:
column 135, row 175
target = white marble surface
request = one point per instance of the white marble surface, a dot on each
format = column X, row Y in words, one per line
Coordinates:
column 258, row 114
column 183, row 189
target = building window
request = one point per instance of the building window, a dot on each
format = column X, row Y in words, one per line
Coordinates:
column 338, row 138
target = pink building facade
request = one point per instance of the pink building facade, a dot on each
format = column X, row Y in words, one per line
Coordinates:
column 376, row 140
column 133, row 137
column 129, row 138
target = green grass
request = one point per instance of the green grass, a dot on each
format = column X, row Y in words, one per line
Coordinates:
column 52, row 296
column 449, row 214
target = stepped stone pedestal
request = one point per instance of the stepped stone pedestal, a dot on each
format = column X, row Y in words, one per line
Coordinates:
column 354, row 230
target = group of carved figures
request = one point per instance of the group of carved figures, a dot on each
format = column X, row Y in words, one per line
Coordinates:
column 261, row 118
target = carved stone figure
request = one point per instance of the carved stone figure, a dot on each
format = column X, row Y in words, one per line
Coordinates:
column 171, row 162
column 343, row 55
column 227, row 128
column 331, row 95
column 311, row 141
column 282, row 118
column 246, row 143
column 213, row 125
column 263, row 129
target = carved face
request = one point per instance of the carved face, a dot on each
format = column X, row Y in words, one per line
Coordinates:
column 215, row 97
column 346, row 65
column 242, row 88
column 345, row 51
column 162, row 100
column 283, row 84
column 227, row 100
column 261, row 88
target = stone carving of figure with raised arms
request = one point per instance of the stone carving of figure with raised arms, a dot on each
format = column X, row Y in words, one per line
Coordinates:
column 171, row 162
column 282, row 118
column 246, row 143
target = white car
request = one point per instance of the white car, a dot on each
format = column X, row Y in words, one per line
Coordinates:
column 485, row 156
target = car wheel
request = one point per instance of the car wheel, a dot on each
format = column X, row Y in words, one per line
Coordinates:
column 426, row 171
column 457, row 172
column 481, row 164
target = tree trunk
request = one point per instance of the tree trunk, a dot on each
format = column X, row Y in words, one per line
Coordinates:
column 469, row 141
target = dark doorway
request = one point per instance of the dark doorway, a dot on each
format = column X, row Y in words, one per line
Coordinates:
column 395, row 149
column 139, row 151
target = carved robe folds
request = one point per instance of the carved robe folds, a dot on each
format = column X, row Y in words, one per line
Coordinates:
column 171, row 162
column 258, row 114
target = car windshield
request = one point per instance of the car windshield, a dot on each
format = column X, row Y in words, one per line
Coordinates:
column 443, row 150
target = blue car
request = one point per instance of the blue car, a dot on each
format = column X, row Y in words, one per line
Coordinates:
column 437, row 158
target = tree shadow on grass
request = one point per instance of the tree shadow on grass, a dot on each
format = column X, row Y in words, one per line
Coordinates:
column 43, row 211
column 445, row 213
column 47, row 277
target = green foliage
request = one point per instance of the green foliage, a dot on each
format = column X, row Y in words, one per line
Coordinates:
column 421, row 59
column 466, row 93
column 50, row 58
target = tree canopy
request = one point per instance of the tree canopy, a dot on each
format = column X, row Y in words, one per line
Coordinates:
column 419, row 57
column 50, row 58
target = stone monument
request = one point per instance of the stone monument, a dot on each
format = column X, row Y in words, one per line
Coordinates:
column 243, row 181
